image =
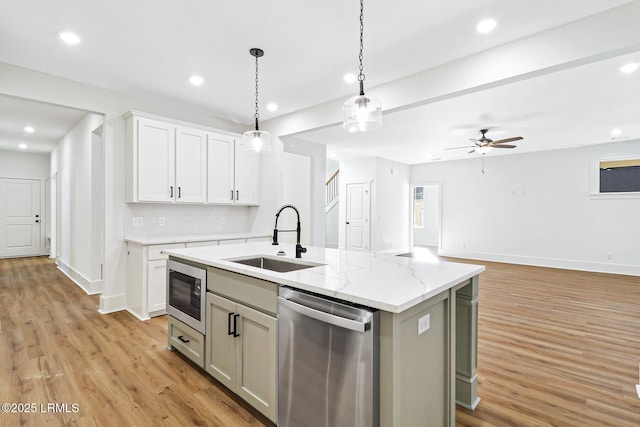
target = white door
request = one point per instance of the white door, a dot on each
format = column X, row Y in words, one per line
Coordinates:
column 20, row 217
column 357, row 217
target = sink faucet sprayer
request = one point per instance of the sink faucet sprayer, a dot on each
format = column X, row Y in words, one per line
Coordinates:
column 299, row 249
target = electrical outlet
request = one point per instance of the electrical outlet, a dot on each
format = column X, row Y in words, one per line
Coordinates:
column 221, row 220
column 424, row 323
column 137, row 221
column 161, row 220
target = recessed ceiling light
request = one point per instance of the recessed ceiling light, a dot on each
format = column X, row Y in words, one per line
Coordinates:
column 22, row 146
column 69, row 38
column 616, row 132
column 272, row 107
column 486, row 26
column 29, row 129
column 350, row 78
column 196, row 80
column 332, row 154
column 629, row 68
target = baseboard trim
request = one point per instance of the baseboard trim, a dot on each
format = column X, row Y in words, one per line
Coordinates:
column 91, row 287
column 629, row 270
column 137, row 316
column 112, row 304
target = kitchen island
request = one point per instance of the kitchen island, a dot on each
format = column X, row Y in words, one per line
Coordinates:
column 428, row 318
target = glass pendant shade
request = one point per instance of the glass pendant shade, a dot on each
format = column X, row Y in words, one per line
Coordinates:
column 257, row 140
column 483, row 150
column 362, row 113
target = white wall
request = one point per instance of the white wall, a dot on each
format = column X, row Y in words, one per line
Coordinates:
column 390, row 201
column 25, row 165
column 71, row 163
column 535, row 208
column 317, row 154
column 296, row 191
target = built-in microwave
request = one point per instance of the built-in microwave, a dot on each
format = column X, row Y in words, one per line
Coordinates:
column 187, row 294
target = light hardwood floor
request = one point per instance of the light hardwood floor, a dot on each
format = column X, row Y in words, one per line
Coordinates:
column 556, row 348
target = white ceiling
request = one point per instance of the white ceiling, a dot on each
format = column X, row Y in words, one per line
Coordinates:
column 150, row 48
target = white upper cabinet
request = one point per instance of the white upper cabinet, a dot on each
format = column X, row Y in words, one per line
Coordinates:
column 247, row 172
column 220, row 187
column 168, row 162
column 154, row 160
column 232, row 172
column 191, row 165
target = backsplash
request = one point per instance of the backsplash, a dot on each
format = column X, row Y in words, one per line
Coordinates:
column 156, row 220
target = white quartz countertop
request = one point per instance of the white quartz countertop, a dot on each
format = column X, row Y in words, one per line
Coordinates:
column 387, row 282
column 195, row 238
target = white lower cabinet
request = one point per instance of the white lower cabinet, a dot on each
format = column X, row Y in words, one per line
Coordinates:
column 147, row 279
column 240, row 351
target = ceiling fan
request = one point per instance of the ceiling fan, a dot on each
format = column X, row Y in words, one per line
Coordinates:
column 484, row 144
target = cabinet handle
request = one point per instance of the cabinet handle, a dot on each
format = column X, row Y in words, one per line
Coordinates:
column 235, row 325
column 171, row 191
column 229, row 331
column 231, row 194
column 181, row 338
column 179, row 192
column 237, row 195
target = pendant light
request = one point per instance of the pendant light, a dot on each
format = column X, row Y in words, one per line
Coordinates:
column 362, row 113
column 257, row 140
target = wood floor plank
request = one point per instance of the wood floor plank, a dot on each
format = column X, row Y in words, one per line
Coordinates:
column 556, row 348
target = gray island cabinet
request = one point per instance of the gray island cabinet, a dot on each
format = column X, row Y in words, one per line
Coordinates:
column 428, row 324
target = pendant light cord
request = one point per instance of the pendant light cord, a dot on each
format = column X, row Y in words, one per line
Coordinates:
column 361, row 55
column 257, row 115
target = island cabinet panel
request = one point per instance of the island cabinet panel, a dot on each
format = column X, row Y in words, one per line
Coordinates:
column 415, row 369
column 241, row 339
column 252, row 292
column 186, row 340
column 221, row 346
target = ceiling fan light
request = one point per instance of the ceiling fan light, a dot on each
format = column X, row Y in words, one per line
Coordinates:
column 256, row 140
column 362, row 113
column 484, row 149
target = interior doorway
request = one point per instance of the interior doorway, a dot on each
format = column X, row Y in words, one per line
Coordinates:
column 426, row 216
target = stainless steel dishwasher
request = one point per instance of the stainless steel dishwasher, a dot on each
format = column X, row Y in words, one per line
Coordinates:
column 328, row 362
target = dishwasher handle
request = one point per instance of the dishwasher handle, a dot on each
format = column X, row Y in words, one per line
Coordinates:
column 329, row 318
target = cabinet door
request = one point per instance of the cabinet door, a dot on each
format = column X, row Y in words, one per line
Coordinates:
column 155, row 161
column 246, row 176
column 156, row 287
column 221, row 348
column 256, row 360
column 191, row 165
column 220, row 169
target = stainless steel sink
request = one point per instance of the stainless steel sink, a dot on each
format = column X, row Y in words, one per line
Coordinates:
column 274, row 264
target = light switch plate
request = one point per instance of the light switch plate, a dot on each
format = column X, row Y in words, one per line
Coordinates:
column 424, row 323
column 161, row 220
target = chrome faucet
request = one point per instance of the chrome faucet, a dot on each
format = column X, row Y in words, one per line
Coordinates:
column 299, row 249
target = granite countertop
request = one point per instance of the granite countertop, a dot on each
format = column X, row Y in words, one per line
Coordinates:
column 382, row 281
column 193, row 238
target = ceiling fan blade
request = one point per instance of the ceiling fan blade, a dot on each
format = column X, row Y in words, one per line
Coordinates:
column 503, row 146
column 455, row 148
column 472, row 151
column 502, row 141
